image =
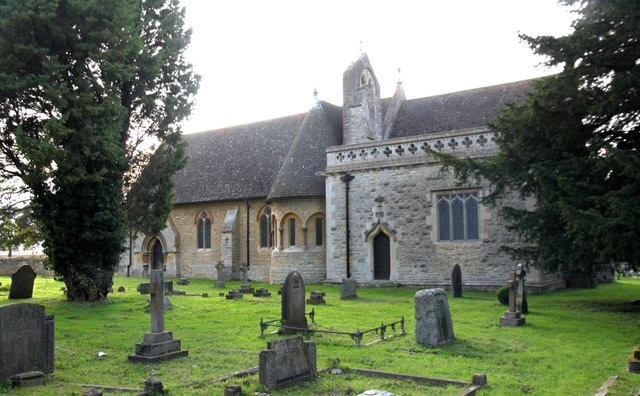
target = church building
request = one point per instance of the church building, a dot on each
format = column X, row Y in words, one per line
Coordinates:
column 342, row 191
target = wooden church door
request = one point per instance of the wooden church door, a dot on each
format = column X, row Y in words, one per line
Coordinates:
column 158, row 259
column 381, row 257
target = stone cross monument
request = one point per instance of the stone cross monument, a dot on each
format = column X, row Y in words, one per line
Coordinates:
column 245, row 288
column 512, row 317
column 158, row 345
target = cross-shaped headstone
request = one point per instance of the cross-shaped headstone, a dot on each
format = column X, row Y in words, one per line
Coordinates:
column 156, row 288
column 245, row 274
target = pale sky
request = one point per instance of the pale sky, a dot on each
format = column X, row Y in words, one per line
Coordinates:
column 263, row 59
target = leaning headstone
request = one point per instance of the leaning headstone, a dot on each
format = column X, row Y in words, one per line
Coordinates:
column 262, row 292
column 234, row 294
column 219, row 284
column 293, row 305
column 286, row 362
column 521, row 304
column 26, row 340
column 433, row 319
column 512, row 316
column 22, row 283
column 348, row 289
column 245, row 288
column 158, row 345
column 456, row 281
column 316, row 298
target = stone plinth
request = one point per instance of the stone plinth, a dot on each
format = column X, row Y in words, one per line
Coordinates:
column 233, row 294
column 262, row 292
column 157, row 347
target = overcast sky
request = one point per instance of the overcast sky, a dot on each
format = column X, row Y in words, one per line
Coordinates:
column 263, row 59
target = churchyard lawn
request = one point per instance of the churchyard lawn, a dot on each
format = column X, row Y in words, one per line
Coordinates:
column 572, row 342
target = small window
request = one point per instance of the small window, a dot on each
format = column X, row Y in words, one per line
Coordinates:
column 204, row 232
column 319, row 233
column 458, row 218
column 292, row 232
column 265, row 229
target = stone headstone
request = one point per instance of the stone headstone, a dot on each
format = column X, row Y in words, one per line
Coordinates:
column 245, row 288
column 152, row 386
column 234, row 294
column 456, row 281
column 512, row 317
column 521, row 304
column 286, row 362
column 121, row 289
column 183, row 281
column 262, row 292
column 348, row 289
column 219, row 284
column 316, row 298
column 158, row 345
column 293, row 305
column 22, row 283
column 233, row 390
column 26, row 340
column 433, row 319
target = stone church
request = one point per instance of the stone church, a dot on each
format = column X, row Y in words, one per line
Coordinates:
column 342, row 191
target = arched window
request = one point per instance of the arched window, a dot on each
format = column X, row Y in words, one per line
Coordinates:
column 265, row 229
column 204, row 232
column 458, row 218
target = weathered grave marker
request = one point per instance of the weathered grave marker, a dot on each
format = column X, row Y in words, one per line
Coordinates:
column 293, row 305
column 26, row 340
column 158, row 345
column 234, row 294
column 521, row 304
column 121, row 289
column 512, row 316
column 433, row 319
column 348, row 289
column 22, row 283
column 183, row 282
column 262, row 292
column 245, row 288
column 316, row 298
column 456, row 281
column 286, row 362
column 219, row 284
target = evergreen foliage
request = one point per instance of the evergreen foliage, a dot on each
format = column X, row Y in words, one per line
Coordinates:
column 573, row 147
column 82, row 84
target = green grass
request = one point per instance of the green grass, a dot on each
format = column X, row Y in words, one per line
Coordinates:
column 572, row 342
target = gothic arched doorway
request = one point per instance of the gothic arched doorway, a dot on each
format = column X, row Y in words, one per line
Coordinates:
column 158, row 257
column 381, row 257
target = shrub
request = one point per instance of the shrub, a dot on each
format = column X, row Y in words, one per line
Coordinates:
column 503, row 295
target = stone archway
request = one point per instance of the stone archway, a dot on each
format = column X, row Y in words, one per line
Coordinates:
column 157, row 256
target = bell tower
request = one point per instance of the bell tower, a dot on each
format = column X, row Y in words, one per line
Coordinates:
column 362, row 112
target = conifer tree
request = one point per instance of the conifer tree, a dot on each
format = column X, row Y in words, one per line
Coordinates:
column 573, row 145
column 82, row 84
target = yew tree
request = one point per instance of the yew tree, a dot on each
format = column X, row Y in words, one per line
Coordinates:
column 573, row 145
column 83, row 84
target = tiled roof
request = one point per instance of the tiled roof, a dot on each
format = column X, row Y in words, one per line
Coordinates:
column 298, row 176
column 456, row 111
column 235, row 163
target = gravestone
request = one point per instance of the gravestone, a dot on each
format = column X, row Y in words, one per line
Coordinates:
column 293, row 305
column 158, row 345
column 26, row 340
column 183, row 282
column 456, row 282
column 316, row 298
column 233, row 294
column 245, row 288
column 433, row 319
column 121, row 289
column 286, row 362
column 262, row 292
column 348, row 289
column 521, row 304
column 219, row 284
column 512, row 317
column 22, row 283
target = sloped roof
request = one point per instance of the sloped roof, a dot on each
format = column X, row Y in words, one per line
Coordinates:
column 235, row 163
column 456, row 111
column 298, row 176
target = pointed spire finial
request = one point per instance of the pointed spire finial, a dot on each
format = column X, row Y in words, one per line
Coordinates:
column 360, row 52
column 316, row 102
column 315, row 93
column 399, row 76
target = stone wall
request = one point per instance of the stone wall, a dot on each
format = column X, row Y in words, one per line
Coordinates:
column 9, row 265
column 395, row 195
